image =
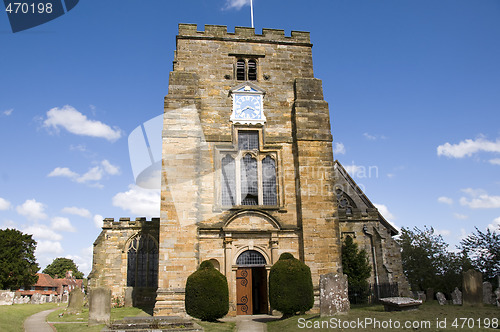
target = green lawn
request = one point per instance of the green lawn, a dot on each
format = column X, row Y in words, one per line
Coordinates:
column 449, row 318
column 12, row 316
column 217, row 327
column 78, row 322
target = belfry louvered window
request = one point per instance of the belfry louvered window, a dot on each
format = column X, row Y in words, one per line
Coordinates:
column 248, row 175
column 246, row 70
column 142, row 262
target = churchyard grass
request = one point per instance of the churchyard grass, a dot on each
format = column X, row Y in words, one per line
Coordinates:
column 12, row 316
column 466, row 318
column 217, row 326
column 70, row 322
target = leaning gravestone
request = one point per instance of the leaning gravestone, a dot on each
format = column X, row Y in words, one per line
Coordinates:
column 430, row 294
column 472, row 286
column 333, row 296
column 456, row 296
column 488, row 296
column 99, row 306
column 6, row 298
column 75, row 302
column 441, row 298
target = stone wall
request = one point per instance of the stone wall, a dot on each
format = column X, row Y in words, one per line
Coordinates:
column 109, row 265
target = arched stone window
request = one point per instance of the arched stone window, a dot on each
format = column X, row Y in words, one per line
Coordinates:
column 142, row 262
column 344, row 201
column 240, row 70
column 252, row 70
column 269, row 195
column 228, row 181
column 246, row 70
column 249, row 181
column 250, row 258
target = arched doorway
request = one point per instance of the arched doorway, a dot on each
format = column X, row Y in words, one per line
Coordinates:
column 251, row 284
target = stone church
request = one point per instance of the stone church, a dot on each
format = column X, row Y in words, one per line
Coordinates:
column 247, row 174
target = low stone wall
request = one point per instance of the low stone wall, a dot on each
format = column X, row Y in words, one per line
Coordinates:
column 10, row 298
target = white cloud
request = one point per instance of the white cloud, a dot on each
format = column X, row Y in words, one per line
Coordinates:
column 4, row 204
column 354, row 169
column 76, row 123
column 495, row 161
column 48, row 247
column 8, row 224
column 8, row 112
column 237, row 4
column 62, row 224
column 384, row 211
column 369, row 137
column 460, row 216
column 480, row 200
column 84, row 260
column 98, row 220
column 468, row 147
column 339, row 148
column 93, row 175
column 32, row 210
column 474, row 192
column 63, row 172
column 443, row 232
column 495, row 225
column 77, row 211
column 139, row 201
column 445, row 200
column 40, row 231
column 109, row 168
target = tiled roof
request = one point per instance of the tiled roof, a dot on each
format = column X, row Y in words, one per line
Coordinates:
column 44, row 280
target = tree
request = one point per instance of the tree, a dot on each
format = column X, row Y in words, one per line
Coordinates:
column 483, row 249
column 18, row 266
column 60, row 266
column 427, row 263
column 290, row 286
column 207, row 293
column 357, row 267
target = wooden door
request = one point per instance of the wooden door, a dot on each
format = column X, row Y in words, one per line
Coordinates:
column 244, row 291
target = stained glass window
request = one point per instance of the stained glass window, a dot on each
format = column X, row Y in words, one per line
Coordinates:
column 142, row 262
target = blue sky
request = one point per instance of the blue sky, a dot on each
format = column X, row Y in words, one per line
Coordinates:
column 413, row 89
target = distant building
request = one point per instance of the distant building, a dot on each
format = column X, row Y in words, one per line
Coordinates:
column 46, row 285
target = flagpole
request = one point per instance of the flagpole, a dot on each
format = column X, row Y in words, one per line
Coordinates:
column 251, row 10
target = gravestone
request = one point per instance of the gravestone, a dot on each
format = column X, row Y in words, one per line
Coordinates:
column 497, row 293
column 333, row 296
column 6, row 298
column 472, row 286
column 64, row 298
column 129, row 300
column 456, row 296
column 488, row 296
column 36, row 298
column 430, row 294
column 441, row 298
column 400, row 303
column 99, row 306
column 75, row 302
column 421, row 296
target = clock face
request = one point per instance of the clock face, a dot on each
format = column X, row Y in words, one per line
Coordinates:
column 248, row 106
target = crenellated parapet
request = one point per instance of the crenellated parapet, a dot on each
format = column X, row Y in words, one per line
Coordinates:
column 126, row 222
column 243, row 34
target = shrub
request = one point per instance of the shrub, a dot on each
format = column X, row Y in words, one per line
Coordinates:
column 207, row 294
column 290, row 286
column 355, row 264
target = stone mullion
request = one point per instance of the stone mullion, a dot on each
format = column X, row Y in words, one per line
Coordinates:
column 237, row 166
column 260, row 187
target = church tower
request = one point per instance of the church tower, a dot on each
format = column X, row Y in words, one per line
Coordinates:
column 248, row 168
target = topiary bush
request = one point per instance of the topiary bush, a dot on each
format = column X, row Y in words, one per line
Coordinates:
column 290, row 286
column 207, row 294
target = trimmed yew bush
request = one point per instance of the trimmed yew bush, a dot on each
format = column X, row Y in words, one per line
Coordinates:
column 290, row 286
column 207, row 294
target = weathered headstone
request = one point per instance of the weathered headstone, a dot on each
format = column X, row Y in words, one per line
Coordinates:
column 497, row 293
column 472, row 287
column 441, row 298
column 64, row 298
column 456, row 296
column 36, row 298
column 488, row 296
column 6, row 297
column 421, row 296
column 99, row 306
column 129, row 300
column 333, row 295
column 430, row 294
column 75, row 302
column 400, row 303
